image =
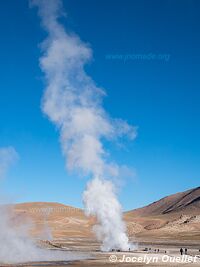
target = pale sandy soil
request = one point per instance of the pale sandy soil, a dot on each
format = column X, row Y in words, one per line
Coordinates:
column 98, row 259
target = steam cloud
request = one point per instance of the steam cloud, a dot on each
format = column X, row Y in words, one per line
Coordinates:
column 73, row 102
column 8, row 156
column 16, row 244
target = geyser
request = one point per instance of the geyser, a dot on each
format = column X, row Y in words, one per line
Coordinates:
column 73, row 102
column 100, row 200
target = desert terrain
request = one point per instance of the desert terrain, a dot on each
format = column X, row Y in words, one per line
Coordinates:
column 158, row 230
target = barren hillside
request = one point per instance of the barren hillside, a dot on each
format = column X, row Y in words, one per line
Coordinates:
column 186, row 202
column 54, row 220
column 173, row 217
column 176, row 215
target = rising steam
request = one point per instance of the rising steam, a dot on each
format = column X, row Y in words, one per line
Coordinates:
column 16, row 244
column 73, row 102
column 8, row 156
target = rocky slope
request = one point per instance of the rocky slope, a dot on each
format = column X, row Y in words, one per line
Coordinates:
column 184, row 202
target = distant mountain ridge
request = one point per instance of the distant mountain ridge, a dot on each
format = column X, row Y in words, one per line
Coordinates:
column 186, row 202
column 174, row 215
column 182, row 202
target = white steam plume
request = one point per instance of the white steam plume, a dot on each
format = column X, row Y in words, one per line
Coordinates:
column 16, row 244
column 73, row 102
column 8, row 156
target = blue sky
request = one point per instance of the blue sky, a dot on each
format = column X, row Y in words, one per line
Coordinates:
column 160, row 96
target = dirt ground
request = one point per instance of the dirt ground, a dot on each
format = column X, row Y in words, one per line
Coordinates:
column 146, row 254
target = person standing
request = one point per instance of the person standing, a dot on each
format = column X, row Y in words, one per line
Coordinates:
column 181, row 251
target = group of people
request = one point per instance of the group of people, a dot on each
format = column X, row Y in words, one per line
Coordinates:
column 183, row 250
column 154, row 250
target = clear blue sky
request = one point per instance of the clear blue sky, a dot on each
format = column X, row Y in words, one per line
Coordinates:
column 161, row 97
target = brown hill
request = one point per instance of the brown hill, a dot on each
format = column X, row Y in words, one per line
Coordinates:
column 187, row 202
column 176, row 216
column 54, row 220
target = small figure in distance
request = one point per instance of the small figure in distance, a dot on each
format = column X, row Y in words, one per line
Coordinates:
column 185, row 251
column 181, row 251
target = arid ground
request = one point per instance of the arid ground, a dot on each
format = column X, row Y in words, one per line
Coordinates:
column 166, row 225
column 170, row 252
